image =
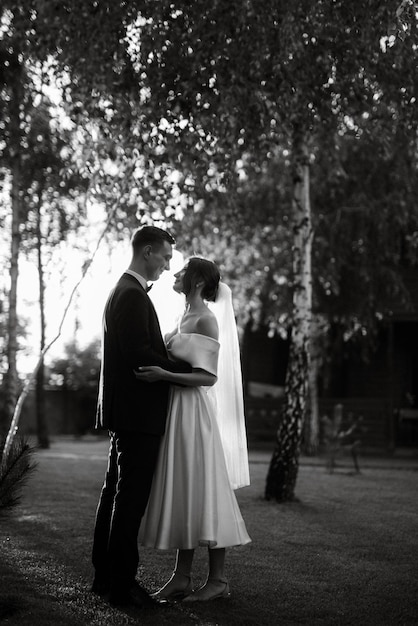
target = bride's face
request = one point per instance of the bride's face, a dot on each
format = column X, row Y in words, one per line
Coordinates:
column 178, row 283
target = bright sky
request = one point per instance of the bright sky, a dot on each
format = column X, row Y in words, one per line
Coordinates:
column 84, row 318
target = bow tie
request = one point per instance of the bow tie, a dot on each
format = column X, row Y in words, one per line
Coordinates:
column 148, row 288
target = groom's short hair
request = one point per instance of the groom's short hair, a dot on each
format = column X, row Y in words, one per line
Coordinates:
column 150, row 236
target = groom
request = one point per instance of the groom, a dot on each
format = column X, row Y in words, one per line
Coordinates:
column 135, row 415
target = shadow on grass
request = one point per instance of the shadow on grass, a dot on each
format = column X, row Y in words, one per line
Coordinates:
column 23, row 603
column 32, row 599
column 9, row 605
column 345, row 553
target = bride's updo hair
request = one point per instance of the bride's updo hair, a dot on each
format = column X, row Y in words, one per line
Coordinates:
column 201, row 270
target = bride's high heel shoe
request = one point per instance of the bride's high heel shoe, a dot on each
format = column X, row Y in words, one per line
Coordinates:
column 203, row 594
column 174, row 592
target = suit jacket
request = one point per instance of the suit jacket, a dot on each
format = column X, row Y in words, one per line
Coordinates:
column 131, row 338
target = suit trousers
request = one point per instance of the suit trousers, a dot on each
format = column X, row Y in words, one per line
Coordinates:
column 123, row 500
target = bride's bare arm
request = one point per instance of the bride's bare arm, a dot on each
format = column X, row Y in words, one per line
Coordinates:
column 197, row 378
column 205, row 325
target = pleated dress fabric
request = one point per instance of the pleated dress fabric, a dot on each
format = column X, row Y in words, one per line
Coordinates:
column 192, row 502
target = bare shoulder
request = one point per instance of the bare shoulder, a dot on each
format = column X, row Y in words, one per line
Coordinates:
column 207, row 325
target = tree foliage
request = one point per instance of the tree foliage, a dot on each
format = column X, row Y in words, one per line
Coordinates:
column 78, row 368
column 197, row 111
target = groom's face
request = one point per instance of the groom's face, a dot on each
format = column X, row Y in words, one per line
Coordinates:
column 158, row 260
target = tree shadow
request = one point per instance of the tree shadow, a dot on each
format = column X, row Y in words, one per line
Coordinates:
column 9, row 606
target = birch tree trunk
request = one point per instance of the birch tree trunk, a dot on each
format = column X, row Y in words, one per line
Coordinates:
column 11, row 378
column 284, row 465
column 311, row 430
column 41, row 423
column 312, row 421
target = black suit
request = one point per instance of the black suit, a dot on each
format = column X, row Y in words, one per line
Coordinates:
column 135, row 414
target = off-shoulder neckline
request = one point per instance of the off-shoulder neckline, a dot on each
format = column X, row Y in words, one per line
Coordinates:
column 194, row 334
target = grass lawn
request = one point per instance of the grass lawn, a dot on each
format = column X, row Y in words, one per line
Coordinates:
column 345, row 554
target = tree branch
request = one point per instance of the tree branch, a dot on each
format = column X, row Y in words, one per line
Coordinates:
column 26, row 387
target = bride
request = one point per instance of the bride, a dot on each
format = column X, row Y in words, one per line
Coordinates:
column 203, row 455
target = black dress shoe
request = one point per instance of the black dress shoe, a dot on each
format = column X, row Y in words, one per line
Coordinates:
column 123, row 599
column 136, row 596
column 139, row 593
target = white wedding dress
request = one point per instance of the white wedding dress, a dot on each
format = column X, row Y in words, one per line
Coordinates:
column 192, row 502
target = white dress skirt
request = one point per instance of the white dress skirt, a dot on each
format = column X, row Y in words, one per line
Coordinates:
column 192, row 502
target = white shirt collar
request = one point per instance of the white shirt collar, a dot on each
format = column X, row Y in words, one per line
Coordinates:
column 142, row 281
